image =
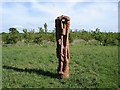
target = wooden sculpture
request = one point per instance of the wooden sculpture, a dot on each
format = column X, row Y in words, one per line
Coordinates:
column 62, row 24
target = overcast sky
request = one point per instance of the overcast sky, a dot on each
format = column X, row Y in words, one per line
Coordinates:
column 84, row 14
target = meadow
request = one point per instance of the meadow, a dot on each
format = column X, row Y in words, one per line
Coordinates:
column 35, row 67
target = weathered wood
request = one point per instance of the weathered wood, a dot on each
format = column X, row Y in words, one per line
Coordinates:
column 62, row 24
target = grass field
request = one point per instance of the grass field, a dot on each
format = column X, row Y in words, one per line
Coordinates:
column 35, row 67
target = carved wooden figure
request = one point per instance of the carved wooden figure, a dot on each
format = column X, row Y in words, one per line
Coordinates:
column 62, row 24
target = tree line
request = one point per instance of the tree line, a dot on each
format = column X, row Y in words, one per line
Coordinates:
column 103, row 38
column 14, row 36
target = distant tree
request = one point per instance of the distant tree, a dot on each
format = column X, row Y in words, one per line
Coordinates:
column 97, row 30
column 13, row 30
column 26, row 36
column 29, row 36
column 97, row 35
column 40, row 29
column 45, row 27
column 52, row 36
column 4, row 37
column 85, row 35
column 25, row 30
column 13, row 36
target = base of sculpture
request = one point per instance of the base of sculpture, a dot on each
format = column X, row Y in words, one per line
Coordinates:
column 63, row 75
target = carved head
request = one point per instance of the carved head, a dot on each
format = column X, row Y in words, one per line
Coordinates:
column 63, row 23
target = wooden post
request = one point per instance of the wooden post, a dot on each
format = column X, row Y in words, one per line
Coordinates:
column 62, row 24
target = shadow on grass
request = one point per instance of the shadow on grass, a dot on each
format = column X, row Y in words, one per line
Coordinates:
column 37, row 71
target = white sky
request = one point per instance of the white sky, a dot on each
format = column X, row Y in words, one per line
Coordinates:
column 84, row 14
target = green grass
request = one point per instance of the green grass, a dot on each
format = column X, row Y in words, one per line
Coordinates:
column 35, row 66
